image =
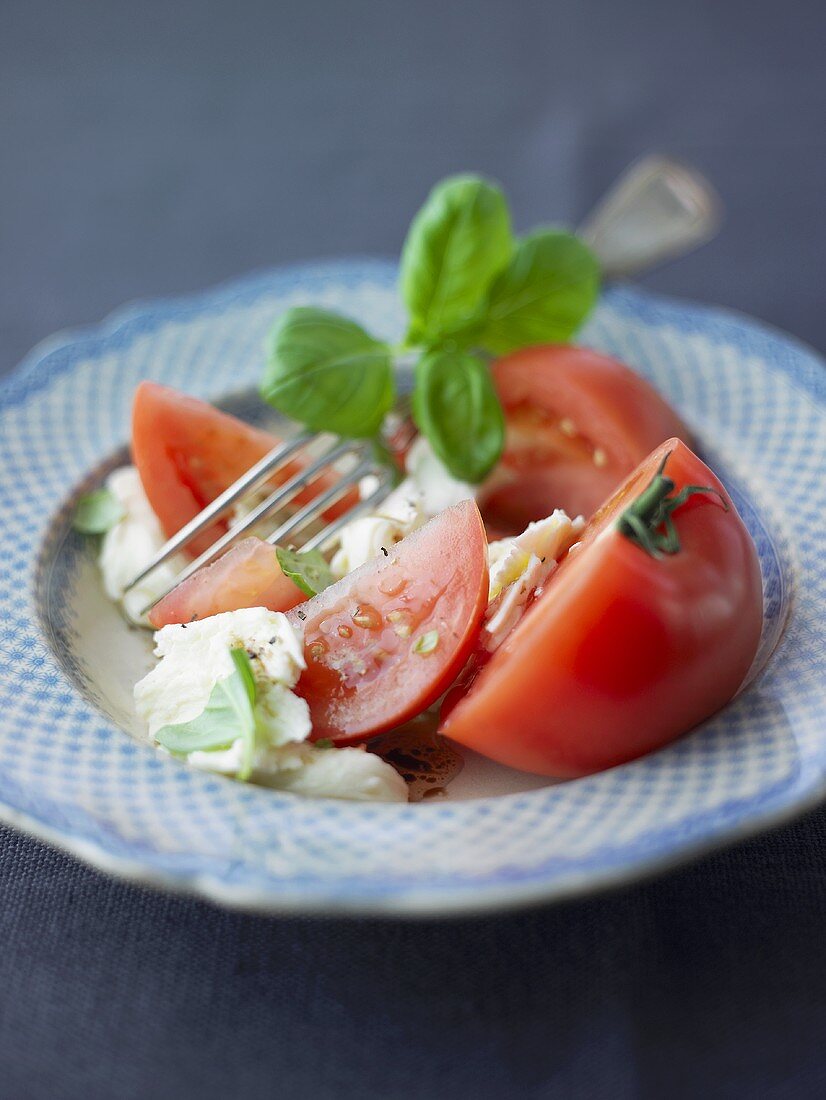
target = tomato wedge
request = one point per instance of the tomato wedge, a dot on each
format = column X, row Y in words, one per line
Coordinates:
column 384, row 642
column 623, row 651
column 188, row 452
column 248, row 575
column 577, row 424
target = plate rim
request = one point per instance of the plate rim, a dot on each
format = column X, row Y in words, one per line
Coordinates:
column 428, row 901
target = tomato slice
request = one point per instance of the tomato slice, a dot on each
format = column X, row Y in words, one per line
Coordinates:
column 384, row 642
column 577, row 423
column 248, row 575
column 188, row 452
column 622, row 651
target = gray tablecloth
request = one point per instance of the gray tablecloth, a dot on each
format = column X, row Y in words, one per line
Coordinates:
column 160, row 147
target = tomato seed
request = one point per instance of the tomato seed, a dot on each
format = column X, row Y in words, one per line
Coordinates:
column 392, row 584
column 367, row 617
column 402, row 622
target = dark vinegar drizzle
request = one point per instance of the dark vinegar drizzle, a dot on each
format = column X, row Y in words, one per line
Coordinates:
column 422, row 757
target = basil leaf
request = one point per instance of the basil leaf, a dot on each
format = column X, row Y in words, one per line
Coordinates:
column 457, row 242
column 306, row 568
column 97, row 512
column 456, row 407
column 326, row 372
column 228, row 715
column 543, row 295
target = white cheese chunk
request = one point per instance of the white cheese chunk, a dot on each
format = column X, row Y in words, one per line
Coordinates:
column 427, row 490
column 195, row 656
column 131, row 544
column 349, row 773
column 364, row 538
column 520, row 566
column 436, row 485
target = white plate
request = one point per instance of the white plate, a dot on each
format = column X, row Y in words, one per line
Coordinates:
column 70, row 774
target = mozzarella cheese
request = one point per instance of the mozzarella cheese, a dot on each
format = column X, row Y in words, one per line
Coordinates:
column 364, row 538
column 195, row 656
column 436, row 486
column 520, row 566
column 131, row 544
column 349, row 773
column 427, row 490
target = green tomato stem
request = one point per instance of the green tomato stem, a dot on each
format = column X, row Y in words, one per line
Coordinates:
column 648, row 522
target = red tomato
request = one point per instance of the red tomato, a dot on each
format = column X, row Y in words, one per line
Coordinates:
column 188, row 452
column 248, row 575
column 577, row 424
column 383, row 643
column 622, row 651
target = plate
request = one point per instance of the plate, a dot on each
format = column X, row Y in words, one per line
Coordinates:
column 71, row 773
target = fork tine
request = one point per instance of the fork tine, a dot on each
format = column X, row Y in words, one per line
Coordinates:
column 222, row 503
column 318, row 504
column 314, row 507
column 376, row 497
column 273, row 501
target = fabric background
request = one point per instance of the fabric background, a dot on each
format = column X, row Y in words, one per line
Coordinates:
column 160, row 147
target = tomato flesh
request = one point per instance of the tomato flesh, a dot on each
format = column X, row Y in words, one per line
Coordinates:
column 622, row 652
column 577, row 424
column 188, row 452
column 248, row 575
column 384, row 642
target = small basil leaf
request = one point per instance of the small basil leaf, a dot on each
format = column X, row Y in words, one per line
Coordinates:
column 97, row 512
column 457, row 242
column 456, row 407
column 326, row 372
column 543, row 295
column 228, row 715
column 306, row 568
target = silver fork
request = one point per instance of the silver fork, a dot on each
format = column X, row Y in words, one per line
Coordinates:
column 362, row 465
column 657, row 210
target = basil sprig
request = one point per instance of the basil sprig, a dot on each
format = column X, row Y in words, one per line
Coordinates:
column 228, row 715
column 471, row 290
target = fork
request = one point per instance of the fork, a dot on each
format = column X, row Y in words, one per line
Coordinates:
column 658, row 209
column 335, row 455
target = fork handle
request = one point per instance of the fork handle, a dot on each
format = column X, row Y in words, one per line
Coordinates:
column 657, row 210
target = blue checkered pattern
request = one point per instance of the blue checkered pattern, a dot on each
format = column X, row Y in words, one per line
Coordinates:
column 69, row 774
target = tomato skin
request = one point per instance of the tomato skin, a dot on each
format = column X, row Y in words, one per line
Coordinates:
column 622, row 652
column 612, row 418
column 188, row 452
column 248, row 575
column 364, row 674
